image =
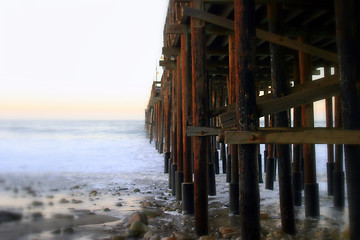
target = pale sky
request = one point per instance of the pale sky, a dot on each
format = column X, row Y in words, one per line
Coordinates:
column 78, row 59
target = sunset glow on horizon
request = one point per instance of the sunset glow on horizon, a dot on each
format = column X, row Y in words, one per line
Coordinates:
column 78, row 59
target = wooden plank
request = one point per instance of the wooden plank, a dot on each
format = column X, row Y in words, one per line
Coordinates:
column 300, row 136
column 266, row 105
column 169, row 64
column 263, row 35
column 175, row 28
column 171, row 51
column 202, row 131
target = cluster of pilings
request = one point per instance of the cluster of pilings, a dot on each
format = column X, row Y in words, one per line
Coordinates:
column 229, row 63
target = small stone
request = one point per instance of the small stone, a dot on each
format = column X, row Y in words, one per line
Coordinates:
column 227, row 232
column 93, row 193
column 346, row 233
column 208, row 238
column 264, row 216
column 76, row 201
column 139, row 228
column 148, row 235
column 68, row 230
column 155, row 237
column 56, row 231
column 142, row 217
column 75, row 187
column 37, row 203
column 63, row 201
column 119, row 204
column 106, row 209
column 183, row 236
column 6, row 216
column 136, row 190
column 118, row 237
column 36, row 216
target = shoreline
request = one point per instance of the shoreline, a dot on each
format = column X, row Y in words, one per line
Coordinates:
column 99, row 206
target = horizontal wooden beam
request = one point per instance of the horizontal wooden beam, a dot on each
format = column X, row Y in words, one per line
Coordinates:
column 175, row 28
column 303, row 94
column 170, row 51
column 291, row 136
column 202, row 131
column 264, row 35
column 169, row 64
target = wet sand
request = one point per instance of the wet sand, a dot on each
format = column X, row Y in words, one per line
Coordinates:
column 99, row 206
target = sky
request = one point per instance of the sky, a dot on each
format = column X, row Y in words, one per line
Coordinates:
column 78, row 59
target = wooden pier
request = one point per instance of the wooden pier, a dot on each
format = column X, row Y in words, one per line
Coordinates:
column 228, row 63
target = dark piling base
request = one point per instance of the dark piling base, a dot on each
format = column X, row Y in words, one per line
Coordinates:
column 211, row 180
column 173, row 180
column 161, row 147
column 179, row 179
column 265, row 158
column 303, row 173
column 156, row 145
column 339, row 189
column 297, row 178
column 234, row 199
column 260, row 169
column 166, row 162
column 330, row 178
column 312, row 208
column 228, row 168
column 216, row 162
column 169, row 171
column 223, row 156
column 269, row 181
column 188, row 198
column 275, row 167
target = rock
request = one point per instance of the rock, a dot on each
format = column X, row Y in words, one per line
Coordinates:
column 148, row 235
column 93, row 193
column 139, row 228
column 36, row 216
column 136, row 190
column 227, row 232
column 142, row 217
column 6, row 216
column 155, row 237
column 208, row 238
column 183, row 236
column 37, row 203
column 56, row 231
column 64, row 201
column 169, row 238
column 76, row 201
column 345, row 234
column 107, row 210
column 75, row 187
column 119, row 204
column 264, row 216
column 68, row 230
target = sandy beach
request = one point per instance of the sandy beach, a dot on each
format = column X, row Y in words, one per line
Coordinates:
column 96, row 206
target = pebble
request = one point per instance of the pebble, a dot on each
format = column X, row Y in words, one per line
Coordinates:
column 75, row 187
column 208, row 238
column 264, row 216
column 68, row 230
column 76, row 201
column 139, row 228
column 37, row 203
column 142, row 217
column 119, row 204
column 183, row 236
column 107, row 210
column 6, row 216
column 63, row 216
column 136, row 190
column 64, row 201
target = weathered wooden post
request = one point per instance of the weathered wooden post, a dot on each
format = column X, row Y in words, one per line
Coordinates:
column 279, row 83
column 312, row 208
column 330, row 147
column 270, row 161
column 188, row 185
column 167, row 118
column 179, row 176
column 222, row 143
column 339, row 178
column 174, row 136
column 200, row 119
column 245, row 45
column 348, row 38
column 234, row 184
column 297, row 172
